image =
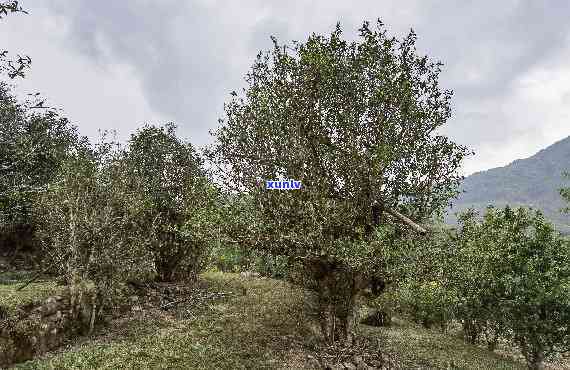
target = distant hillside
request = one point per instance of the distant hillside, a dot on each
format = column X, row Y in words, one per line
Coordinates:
column 533, row 182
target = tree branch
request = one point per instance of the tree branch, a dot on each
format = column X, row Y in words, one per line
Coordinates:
column 406, row 220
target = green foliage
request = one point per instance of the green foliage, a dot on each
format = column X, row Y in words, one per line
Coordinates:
column 32, row 149
column 470, row 270
column 90, row 223
column 416, row 272
column 240, row 227
column 236, row 259
column 180, row 202
column 428, row 303
column 272, row 266
column 114, row 214
column 357, row 124
column 512, row 273
column 318, row 115
column 229, row 259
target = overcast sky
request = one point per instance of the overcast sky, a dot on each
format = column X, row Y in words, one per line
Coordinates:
column 119, row 64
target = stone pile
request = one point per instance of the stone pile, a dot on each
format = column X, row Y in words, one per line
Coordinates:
column 38, row 328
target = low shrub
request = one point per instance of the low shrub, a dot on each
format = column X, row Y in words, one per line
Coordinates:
column 429, row 304
column 229, row 259
column 512, row 272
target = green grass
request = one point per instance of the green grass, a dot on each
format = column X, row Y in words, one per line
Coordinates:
column 241, row 332
column 416, row 347
column 263, row 329
column 10, row 297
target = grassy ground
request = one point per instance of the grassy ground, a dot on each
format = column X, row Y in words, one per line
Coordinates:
column 415, row 347
column 10, row 297
column 261, row 329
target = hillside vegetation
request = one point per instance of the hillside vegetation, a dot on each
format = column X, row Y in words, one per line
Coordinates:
column 263, row 329
column 534, row 182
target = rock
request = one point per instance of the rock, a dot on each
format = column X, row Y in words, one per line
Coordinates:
column 349, row 366
column 250, row 274
column 49, row 308
column 335, row 367
column 41, row 328
column 313, row 362
column 360, row 364
column 245, row 274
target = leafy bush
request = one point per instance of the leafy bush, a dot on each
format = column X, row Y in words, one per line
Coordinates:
column 513, row 277
column 426, row 303
column 272, row 266
column 89, row 224
column 180, row 203
column 113, row 215
column 230, row 259
column 236, row 259
column 412, row 276
column 32, row 149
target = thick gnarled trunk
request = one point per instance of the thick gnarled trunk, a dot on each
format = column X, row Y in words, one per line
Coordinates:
column 337, row 290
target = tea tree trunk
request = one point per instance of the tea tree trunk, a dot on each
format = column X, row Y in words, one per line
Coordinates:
column 337, row 292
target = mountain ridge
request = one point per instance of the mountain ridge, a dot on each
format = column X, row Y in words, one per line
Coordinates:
column 532, row 182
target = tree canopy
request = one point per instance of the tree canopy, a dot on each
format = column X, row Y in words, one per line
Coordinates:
column 356, row 123
column 32, row 148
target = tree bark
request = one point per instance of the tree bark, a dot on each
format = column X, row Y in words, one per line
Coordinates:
column 536, row 362
column 406, row 220
column 337, row 290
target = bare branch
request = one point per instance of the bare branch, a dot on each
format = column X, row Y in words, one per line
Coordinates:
column 406, row 220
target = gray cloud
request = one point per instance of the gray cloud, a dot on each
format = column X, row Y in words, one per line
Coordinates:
column 487, row 46
column 189, row 55
column 178, row 53
column 498, row 39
